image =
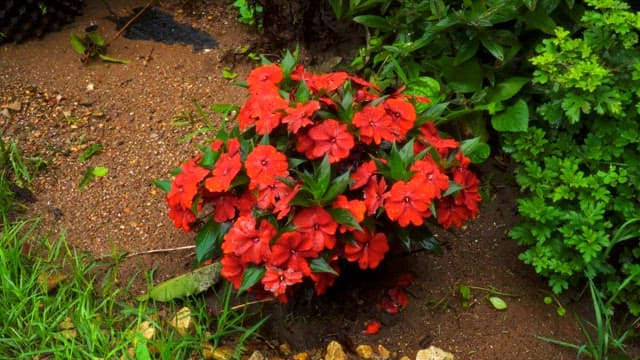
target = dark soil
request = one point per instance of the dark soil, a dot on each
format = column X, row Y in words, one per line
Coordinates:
column 133, row 111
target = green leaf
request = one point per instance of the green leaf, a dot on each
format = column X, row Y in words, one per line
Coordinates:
column 494, row 48
column 344, row 217
column 96, row 39
column 302, row 95
column 514, row 119
column 323, row 176
column 142, row 352
column 465, row 78
column 319, row 264
column 475, row 149
column 209, row 239
column 466, row 51
column 77, row 44
column 288, row 64
column 373, row 21
column 99, row 171
column 337, row 187
column 89, row 152
column 452, row 189
column 530, row 4
column 184, row 285
column 497, row 303
column 252, row 274
column 164, row 185
column 506, row 89
column 465, row 292
column 228, row 74
column 113, row 60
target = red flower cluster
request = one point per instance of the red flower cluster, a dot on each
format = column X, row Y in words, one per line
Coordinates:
column 305, row 180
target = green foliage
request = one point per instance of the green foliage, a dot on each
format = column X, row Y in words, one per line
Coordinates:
column 579, row 164
column 92, row 45
column 475, row 50
column 249, row 12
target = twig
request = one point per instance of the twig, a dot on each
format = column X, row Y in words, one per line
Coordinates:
column 240, row 306
column 132, row 20
column 154, row 251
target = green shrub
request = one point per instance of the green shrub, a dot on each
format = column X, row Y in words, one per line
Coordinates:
column 579, row 162
column 475, row 50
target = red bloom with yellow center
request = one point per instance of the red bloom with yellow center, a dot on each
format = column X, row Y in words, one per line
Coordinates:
column 224, row 207
column 317, row 224
column 276, row 280
column 251, row 244
column 374, row 124
column 291, row 250
column 408, row 202
column 367, row 250
column 300, row 116
column 264, row 164
column 330, row 137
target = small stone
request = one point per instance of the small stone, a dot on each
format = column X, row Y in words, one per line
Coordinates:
column 434, row 353
column 5, row 113
column 383, row 353
column 90, row 87
column 364, row 351
column 405, row 357
column 219, row 353
column 285, row 349
column 15, row 106
column 256, row 355
column 301, row 356
column 182, row 321
column 335, row 352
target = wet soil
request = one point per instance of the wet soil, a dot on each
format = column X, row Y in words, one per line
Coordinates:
column 139, row 112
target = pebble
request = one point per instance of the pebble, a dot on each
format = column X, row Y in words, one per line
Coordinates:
column 256, row 355
column 364, row 351
column 15, row 106
column 285, row 349
column 383, row 353
column 335, row 352
column 434, row 353
column 301, row 356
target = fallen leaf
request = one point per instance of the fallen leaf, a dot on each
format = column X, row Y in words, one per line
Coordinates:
column 187, row 284
column 498, row 303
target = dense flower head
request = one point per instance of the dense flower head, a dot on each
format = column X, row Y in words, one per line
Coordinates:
column 319, row 168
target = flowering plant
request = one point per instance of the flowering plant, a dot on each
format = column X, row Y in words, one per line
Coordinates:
column 318, row 167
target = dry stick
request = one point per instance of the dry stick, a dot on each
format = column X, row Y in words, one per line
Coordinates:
column 132, row 20
column 237, row 307
column 154, row 251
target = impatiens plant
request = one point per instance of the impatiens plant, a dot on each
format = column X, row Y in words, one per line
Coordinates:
column 319, row 170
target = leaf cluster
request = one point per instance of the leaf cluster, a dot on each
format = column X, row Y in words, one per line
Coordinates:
column 578, row 165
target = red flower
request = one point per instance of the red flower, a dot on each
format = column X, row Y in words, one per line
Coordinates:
column 429, row 134
column 357, row 208
column 276, row 196
column 263, row 111
column 317, row 224
column 373, row 194
column 251, row 244
column 182, row 218
column 232, row 269
column 291, row 251
column 367, row 250
column 364, row 83
column 362, row 174
column 373, row 327
column 224, row 207
column 264, row 164
column 224, row 171
column 463, row 161
column 300, row 116
column 449, row 213
column 408, row 202
column 402, row 113
column 374, row 124
column 320, row 82
column 264, row 78
column 282, row 206
column 434, row 179
column 185, row 185
column 323, row 280
column 276, row 280
column 245, row 203
column 304, row 143
column 469, row 196
column 395, row 300
column 330, row 137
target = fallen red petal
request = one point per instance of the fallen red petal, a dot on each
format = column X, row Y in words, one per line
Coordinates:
column 373, row 327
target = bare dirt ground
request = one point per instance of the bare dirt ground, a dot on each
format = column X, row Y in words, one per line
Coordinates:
column 57, row 107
